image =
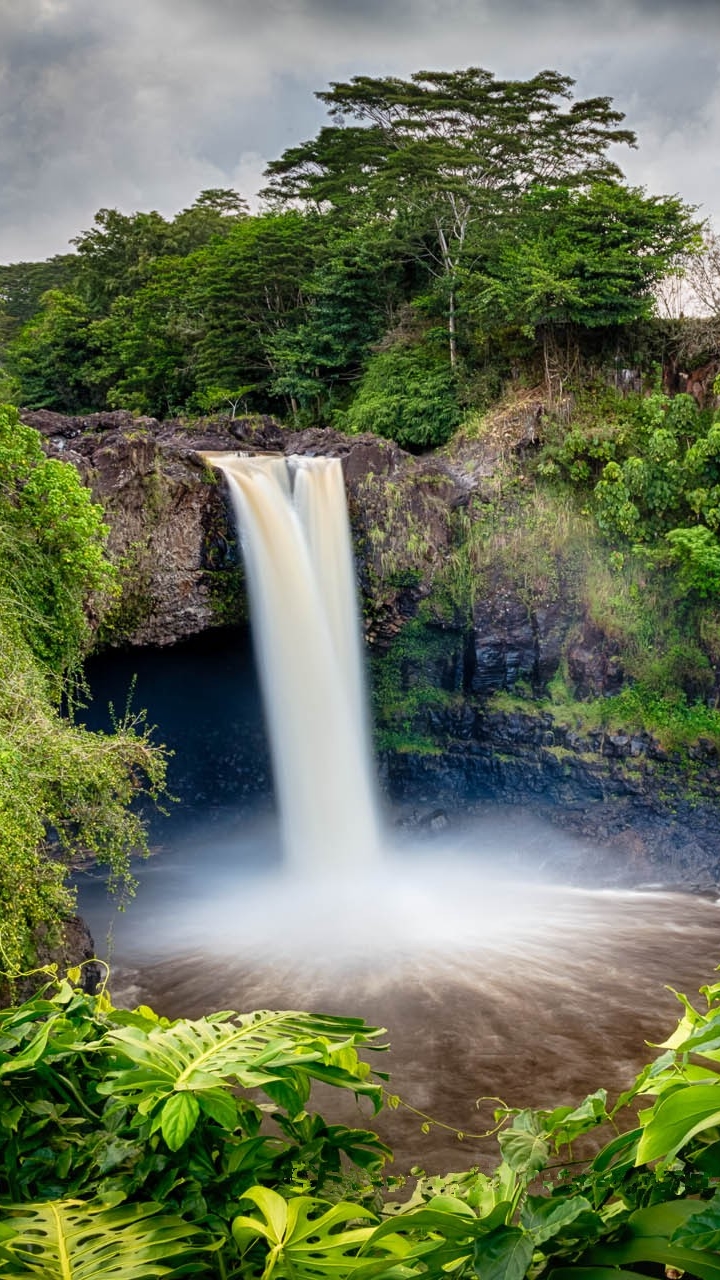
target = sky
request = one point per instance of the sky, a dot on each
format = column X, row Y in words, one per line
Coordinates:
column 141, row 104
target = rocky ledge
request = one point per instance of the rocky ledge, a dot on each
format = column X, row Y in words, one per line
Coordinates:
column 171, row 530
column 655, row 814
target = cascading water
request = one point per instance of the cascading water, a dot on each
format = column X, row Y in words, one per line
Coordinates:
column 482, row 950
column 295, row 535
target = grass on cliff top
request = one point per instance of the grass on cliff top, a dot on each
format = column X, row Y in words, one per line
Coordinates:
column 675, row 722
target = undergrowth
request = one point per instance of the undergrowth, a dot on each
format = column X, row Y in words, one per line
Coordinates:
column 137, row 1147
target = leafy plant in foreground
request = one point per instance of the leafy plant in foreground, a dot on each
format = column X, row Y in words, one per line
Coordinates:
column 142, row 1147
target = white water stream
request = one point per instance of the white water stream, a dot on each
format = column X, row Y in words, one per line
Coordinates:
column 296, row 544
column 492, row 953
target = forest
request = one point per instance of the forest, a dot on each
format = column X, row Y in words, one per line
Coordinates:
column 440, row 232
column 444, row 244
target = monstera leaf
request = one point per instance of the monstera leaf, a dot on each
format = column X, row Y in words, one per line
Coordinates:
column 304, row 1237
column 73, row 1240
column 172, row 1072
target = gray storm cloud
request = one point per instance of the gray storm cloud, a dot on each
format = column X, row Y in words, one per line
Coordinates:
column 141, row 103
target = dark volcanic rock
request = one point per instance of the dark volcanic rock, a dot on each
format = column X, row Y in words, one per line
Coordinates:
column 75, row 948
column 594, row 665
column 616, row 789
column 171, row 528
column 512, row 641
column 505, row 649
column 172, row 531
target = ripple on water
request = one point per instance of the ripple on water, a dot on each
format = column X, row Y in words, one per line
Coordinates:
column 534, row 992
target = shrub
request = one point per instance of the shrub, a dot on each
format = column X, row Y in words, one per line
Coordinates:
column 133, row 1142
column 62, row 789
column 408, row 395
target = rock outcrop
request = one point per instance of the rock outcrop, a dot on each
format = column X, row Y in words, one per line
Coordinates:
column 172, row 531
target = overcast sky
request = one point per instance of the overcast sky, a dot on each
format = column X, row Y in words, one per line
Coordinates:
column 139, row 104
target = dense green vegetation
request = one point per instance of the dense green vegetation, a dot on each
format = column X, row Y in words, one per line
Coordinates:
column 436, row 231
column 136, row 1147
column 64, row 792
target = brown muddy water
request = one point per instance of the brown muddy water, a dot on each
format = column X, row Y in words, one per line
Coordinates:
column 491, row 977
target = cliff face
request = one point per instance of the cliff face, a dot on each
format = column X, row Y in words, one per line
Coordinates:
column 444, row 640
column 171, row 528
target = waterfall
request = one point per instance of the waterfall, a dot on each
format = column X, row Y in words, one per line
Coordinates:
column 295, row 536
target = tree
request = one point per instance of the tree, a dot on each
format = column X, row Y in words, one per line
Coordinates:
column 117, row 254
column 249, row 288
column 352, row 297
column 147, row 343
column 23, row 284
column 409, row 395
column 224, row 398
column 52, row 356
column 588, row 257
column 444, row 152
column 211, row 216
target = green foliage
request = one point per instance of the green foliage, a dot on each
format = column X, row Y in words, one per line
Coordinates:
column 146, row 344
column 489, row 206
column 103, row 1108
column 408, row 395
column 116, row 256
column 445, row 156
column 53, row 538
column 587, row 257
column 350, row 299
column 653, row 464
column 696, row 554
column 76, row 1240
column 62, row 789
column 406, row 687
column 303, row 1235
column 134, row 1142
column 22, row 285
column 223, row 398
column 52, row 356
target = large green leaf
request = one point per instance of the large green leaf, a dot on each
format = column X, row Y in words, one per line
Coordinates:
column 304, row 1237
column 26, row 1057
column 178, row 1118
column 676, row 1119
column 154, row 1064
column 504, row 1254
column 440, row 1235
column 648, row 1238
column 545, row 1218
column 593, row 1273
column 702, row 1229
column 526, row 1152
column 618, row 1154
column 72, row 1240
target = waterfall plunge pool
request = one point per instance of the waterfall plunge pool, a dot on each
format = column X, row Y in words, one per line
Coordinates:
column 500, row 953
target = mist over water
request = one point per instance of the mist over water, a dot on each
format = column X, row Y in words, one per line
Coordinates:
column 505, row 957
column 490, row 978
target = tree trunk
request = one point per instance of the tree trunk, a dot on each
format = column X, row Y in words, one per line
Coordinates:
column 452, row 329
column 546, row 362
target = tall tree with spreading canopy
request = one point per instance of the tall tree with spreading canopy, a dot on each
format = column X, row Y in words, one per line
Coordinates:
column 444, row 152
